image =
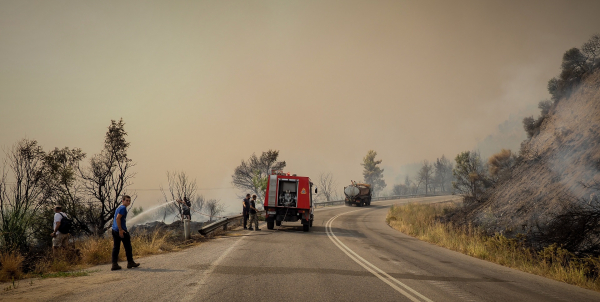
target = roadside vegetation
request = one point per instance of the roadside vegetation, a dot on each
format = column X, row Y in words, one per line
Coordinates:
column 538, row 209
column 87, row 252
column 427, row 222
column 33, row 181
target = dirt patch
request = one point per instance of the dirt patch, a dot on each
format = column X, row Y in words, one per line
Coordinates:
column 55, row 288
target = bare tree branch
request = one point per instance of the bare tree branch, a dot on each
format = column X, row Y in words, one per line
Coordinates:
column 327, row 185
column 180, row 188
column 214, row 208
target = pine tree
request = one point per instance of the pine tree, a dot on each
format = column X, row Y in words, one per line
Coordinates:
column 372, row 173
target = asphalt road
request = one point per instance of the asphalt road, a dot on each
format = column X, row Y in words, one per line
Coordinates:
column 351, row 254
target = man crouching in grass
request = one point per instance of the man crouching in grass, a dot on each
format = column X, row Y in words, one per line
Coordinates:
column 120, row 234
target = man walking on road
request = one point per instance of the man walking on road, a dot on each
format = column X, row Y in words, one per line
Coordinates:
column 246, row 204
column 120, row 234
column 253, row 214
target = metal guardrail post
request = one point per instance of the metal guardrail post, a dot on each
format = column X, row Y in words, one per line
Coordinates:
column 186, row 229
column 209, row 228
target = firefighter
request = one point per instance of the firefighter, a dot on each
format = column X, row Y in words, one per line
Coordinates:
column 246, row 203
column 186, row 206
column 253, row 214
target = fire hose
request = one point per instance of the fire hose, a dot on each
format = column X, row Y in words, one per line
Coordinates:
column 286, row 211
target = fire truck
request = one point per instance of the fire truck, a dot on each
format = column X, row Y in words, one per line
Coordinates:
column 288, row 198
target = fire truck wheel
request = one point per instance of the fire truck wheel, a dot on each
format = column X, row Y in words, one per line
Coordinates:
column 270, row 224
column 278, row 223
column 305, row 227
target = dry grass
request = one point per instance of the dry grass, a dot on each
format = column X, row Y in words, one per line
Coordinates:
column 11, row 266
column 95, row 250
column 99, row 250
column 150, row 244
column 421, row 221
column 87, row 252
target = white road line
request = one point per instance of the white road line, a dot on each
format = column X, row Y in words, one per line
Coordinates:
column 383, row 276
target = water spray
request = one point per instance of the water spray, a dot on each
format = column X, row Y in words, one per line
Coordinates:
column 146, row 213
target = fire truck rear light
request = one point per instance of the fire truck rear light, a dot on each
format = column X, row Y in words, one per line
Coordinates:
column 300, row 211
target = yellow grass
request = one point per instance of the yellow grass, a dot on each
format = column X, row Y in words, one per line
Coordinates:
column 99, row 250
column 11, row 266
column 421, row 221
column 86, row 252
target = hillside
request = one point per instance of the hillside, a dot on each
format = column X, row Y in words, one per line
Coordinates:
column 555, row 166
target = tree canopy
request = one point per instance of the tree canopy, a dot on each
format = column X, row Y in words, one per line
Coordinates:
column 107, row 178
column 470, row 176
column 252, row 174
column 372, row 173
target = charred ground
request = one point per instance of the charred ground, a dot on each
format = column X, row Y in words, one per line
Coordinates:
column 551, row 192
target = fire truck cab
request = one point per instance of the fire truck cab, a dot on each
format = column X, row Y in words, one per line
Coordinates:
column 288, row 198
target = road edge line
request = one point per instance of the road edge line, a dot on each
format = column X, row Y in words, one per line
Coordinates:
column 365, row 264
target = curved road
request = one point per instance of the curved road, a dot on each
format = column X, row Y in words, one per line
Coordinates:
column 351, row 254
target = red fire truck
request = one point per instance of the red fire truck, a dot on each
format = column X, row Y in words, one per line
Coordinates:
column 288, row 198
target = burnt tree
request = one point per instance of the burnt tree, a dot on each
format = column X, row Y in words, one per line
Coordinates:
column 107, row 178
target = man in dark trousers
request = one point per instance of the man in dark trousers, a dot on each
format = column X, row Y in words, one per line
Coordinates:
column 246, row 204
column 186, row 207
column 120, row 234
column 253, row 214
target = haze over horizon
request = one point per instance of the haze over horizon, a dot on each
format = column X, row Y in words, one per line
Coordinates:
column 202, row 85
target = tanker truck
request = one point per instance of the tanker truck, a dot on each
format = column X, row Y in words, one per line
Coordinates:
column 358, row 194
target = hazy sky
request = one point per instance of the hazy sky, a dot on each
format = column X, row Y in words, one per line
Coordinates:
column 202, row 85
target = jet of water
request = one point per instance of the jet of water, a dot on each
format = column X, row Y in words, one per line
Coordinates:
column 147, row 214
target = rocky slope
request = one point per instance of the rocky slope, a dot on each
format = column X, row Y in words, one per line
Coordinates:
column 556, row 165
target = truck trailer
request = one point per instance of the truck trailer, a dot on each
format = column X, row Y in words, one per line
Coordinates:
column 358, row 194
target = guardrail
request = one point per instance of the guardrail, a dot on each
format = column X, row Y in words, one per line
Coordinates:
column 222, row 223
column 326, row 203
column 226, row 221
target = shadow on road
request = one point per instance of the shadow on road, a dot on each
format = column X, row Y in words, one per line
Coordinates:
column 282, row 270
column 157, row 270
column 294, row 229
column 316, row 230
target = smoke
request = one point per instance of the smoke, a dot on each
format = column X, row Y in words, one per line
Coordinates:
column 521, row 92
column 574, row 130
column 508, row 135
column 409, row 169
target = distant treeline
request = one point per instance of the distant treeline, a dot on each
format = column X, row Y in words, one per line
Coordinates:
column 431, row 178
